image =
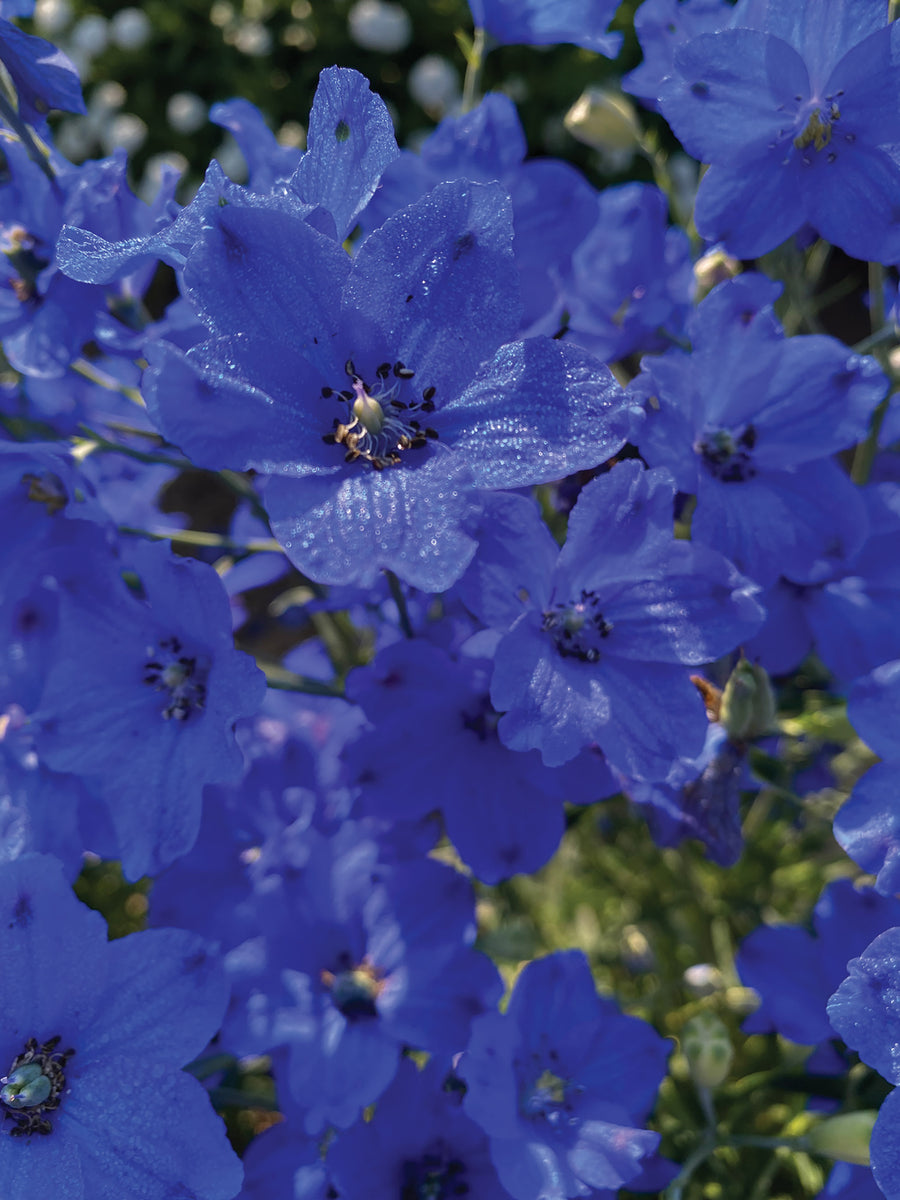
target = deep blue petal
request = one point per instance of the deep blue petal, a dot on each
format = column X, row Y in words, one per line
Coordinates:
column 437, row 285
column 349, row 529
column 539, row 410
column 349, row 144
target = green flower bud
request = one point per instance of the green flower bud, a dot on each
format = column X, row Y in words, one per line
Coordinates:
column 25, row 1087
column 604, row 120
column 845, row 1137
column 708, row 1049
column 748, row 703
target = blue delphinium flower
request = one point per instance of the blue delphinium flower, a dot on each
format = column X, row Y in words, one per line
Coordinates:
column 94, row 1034
column 545, row 22
column 419, row 1143
column 661, row 27
column 630, row 282
column 795, row 971
column 553, row 205
column 865, row 1010
column 142, row 693
column 849, row 610
column 848, row 1181
column 561, row 1083
column 503, row 810
column 44, row 77
column 599, row 652
column 868, row 824
column 358, row 957
column 284, row 1163
column 747, row 421
column 700, row 799
column 377, row 392
column 799, row 120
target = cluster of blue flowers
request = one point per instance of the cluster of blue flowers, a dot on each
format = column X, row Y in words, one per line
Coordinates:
column 583, row 495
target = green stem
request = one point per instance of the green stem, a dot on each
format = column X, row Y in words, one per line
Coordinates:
column 400, row 600
column 887, row 336
column 282, row 680
column 226, row 1097
column 28, row 140
column 864, row 456
column 87, row 370
column 474, row 69
column 707, row 1145
column 199, row 537
column 102, row 443
column 203, row 1068
column 765, row 1143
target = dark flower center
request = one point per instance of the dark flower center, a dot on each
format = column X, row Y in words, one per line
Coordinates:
column 434, row 1176
column 817, row 130
column 577, row 627
column 354, row 989
column 481, row 719
column 550, row 1097
column 34, row 1086
column 379, row 426
column 180, row 675
column 726, row 454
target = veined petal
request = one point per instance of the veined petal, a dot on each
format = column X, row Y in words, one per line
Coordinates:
column 348, row 530
column 538, row 411
column 854, row 202
column 732, row 94
column 751, row 208
column 350, row 142
column 437, row 284
column 267, row 274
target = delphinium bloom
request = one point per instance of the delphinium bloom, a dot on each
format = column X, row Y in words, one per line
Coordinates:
column 248, row 831
column 747, row 422
column 799, row 119
column 143, row 691
column 545, row 22
column 562, row 1083
column 868, row 824
column 849, row 609
column 419, row 1143
column 45, row 316
column 629, row 285
column 661, row 27
column 795, row 970
column 377, row 393
column 284, row 1163
column 865, row 1010
column 503, row 810
column 94, row 1033
column 700, row 798
column 600, row 650
column 553, row 205
column 350, row 142
column 360, row 954
column 43, row 77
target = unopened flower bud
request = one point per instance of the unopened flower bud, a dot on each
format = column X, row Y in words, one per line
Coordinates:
column 708, row 1049
column 748, row 703
column 715, row 267
column 703, row 979
column 845, row 1137
column 604, row 120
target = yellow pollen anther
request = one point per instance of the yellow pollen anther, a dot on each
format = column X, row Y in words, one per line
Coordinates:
column 817, row 132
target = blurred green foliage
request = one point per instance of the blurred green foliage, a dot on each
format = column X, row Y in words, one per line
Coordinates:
column 195, row 47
